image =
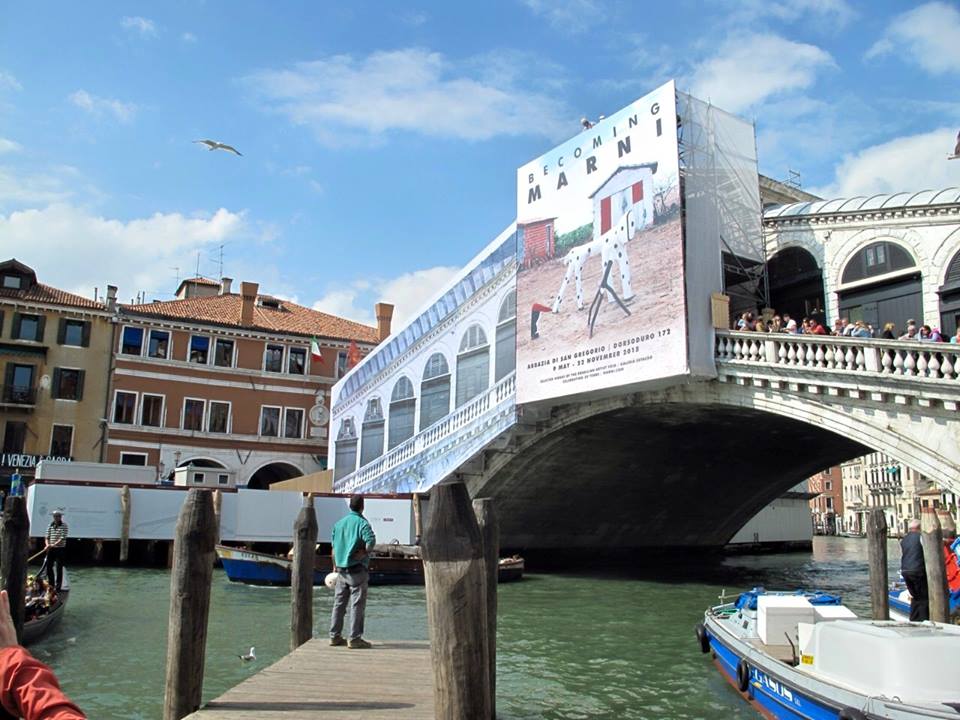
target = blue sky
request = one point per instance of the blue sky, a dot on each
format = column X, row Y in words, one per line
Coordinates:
column 380, row 140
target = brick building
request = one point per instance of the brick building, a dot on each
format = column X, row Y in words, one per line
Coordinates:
column 826, row 508
column 54, row 359
column 227, row 381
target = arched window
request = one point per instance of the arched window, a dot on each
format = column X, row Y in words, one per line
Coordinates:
column 434, row 391
column 473, row 364
column 877, row 258
column 506, row 358
column 371, row 434
column 345, row 455
column 403, row 407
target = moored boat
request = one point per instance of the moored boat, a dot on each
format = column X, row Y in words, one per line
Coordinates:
column 805, row 655
column 389, row 565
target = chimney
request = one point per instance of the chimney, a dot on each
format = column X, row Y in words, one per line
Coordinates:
column 384, row 313
column 248, row 292
column 111, row 297
column 225, row 285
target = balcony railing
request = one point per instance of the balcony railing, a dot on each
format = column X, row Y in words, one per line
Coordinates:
column 432, row 435
column 18, row 395
column 904, row 359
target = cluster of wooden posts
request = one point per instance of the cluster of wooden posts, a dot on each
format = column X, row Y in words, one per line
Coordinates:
column 932, row 525
column 460, row 550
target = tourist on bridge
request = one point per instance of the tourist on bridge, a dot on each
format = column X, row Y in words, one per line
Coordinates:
column 914, row 572
column 28, row 688
column 353, row 539
column 56, row 548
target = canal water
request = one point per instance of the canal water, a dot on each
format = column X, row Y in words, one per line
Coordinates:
column 571, row 646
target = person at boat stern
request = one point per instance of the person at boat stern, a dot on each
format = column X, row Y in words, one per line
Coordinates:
column 56, row 548
column 353, row 539
column 28, row 688
column 914, row 572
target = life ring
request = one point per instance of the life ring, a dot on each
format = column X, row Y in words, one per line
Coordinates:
column 743, row 675
column 849, row 713
column 703, row 638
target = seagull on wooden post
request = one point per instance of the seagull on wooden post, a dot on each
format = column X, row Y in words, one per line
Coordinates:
column 214, row 145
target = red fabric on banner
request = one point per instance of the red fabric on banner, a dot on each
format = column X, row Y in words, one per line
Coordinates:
column 604, row 215
column 637, row 191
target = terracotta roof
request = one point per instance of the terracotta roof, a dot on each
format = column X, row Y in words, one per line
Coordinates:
column 288, row 318
column 200, row 281
column 41, row 293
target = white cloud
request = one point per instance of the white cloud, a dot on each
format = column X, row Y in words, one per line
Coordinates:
column 9, row 146
column 913, row 162
column 343, row 98
column 9, row 82
column 836, row 12
column 750, row 69
column 76, row 250
column 407, row 292
column 122, row 111
column 929, row 35
column 37, row 188
column 571, row 16
column 140, row 25
column 188, row 37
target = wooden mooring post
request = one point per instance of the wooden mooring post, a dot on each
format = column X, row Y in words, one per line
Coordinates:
column 483, row 508
column 193, row 553
column 453, row 570
column 301, row 578
column 931, row 538
column 877, row 560
column 124, row 523
column 13, row 557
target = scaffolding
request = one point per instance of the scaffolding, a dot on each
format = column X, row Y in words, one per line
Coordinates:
column 721, row 197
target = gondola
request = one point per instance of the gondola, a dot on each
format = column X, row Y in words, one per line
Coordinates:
column 36, row 629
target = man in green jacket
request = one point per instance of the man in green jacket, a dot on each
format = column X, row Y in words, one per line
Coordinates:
column 352, row 541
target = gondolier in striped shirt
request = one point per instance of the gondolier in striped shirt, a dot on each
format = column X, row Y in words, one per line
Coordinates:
column 56, row 548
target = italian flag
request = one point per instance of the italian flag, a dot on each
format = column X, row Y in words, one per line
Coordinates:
column 315, row 353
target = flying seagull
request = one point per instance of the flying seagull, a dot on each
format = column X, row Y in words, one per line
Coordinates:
column 956, row 150
column 214, row 145
column 250, row 655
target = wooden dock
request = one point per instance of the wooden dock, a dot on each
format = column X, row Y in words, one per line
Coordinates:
column 391, row 680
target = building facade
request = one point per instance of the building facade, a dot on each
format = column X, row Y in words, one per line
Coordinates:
column 227, row 381
column 826, row 507
column 55, row 359
column 854, row 497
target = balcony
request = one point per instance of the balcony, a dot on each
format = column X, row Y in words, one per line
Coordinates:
column 18, row 396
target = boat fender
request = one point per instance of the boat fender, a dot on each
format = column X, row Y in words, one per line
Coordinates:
column 703, row 638
column 849, row 713
column 743, row 675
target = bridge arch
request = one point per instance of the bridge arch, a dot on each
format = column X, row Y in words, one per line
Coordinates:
column 275, row 471
column 687, row 466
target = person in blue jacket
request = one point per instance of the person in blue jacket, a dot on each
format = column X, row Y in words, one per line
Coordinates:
column 352, row 541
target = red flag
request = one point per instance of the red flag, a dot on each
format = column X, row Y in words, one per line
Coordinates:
column 353, row 354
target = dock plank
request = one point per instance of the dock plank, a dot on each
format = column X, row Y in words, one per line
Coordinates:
column 392, row 680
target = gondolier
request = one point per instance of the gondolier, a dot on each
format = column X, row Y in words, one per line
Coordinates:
column 56, row 548
column 352, row 541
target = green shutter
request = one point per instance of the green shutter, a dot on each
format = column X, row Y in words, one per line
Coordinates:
column 55, row 388
column 62, row 331
column 41, row 324
column 15, row 328
column 80, row 374
column 85, row 339
column 1, row 323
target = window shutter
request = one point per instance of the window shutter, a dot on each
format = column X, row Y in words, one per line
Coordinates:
column 55, row 388
column 85, row 337
column 15, row 328
column 1, row 322
column 80, row 375
column 62, row 331
column 41, row 324
column 8, row 378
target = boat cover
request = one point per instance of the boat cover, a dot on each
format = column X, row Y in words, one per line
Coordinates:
column 748, row 599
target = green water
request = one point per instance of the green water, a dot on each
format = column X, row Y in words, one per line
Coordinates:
column 570, row 645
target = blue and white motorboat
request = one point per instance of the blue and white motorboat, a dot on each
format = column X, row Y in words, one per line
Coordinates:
column 899, row 596
column 801, row 655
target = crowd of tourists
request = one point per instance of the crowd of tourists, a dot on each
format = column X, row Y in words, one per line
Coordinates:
column 842, row 327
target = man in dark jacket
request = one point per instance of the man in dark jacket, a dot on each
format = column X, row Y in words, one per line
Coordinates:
column 914, row 572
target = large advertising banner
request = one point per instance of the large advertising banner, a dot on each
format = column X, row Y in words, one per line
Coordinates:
column 600, row 284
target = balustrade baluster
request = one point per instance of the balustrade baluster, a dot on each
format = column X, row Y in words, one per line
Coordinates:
column 809, row 357
column 839, row 361
column 922, row 364
column 861, row 359
column 792, row 355
column 820, row 356
column 752, row 352
column 898, row 362
column 887, row 361
column 910, row 364
column 948, row 366
column 782, row 352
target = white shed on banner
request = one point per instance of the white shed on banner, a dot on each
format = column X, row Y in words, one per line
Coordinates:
column 629, row 187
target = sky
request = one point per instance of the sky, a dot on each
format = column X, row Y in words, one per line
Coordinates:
column 380, row 140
